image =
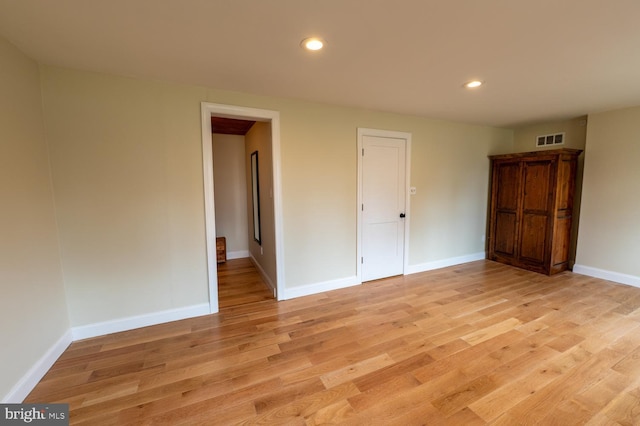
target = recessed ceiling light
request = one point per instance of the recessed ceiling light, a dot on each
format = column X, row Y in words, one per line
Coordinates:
column 312, row 43
column 473, row 84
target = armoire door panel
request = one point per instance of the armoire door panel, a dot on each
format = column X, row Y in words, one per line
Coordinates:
column 565, row 187
column 537, row 182
column 560, row 251
column 509, row 181
column 505, row 233
column 533, row 237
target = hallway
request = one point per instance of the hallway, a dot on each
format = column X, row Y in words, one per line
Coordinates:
column 239, row 283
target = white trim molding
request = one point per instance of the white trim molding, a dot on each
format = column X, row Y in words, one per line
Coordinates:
column 129, row 323
column 240, row 254
column 309, row 289
column 209, row 208
column 25, row 385
column 263, row 274
column 443, row 263
column 238, row 112
column 607, row 275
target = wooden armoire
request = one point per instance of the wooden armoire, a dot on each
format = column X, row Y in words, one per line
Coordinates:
column 531, row 207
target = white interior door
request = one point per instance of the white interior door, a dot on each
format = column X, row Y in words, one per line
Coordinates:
column 383, row 189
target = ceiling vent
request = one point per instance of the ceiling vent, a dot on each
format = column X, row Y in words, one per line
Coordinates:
column 548, row 140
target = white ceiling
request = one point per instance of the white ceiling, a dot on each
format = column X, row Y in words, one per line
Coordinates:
column 541, row 59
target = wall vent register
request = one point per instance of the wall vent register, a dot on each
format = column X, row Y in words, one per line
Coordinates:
column 548, row 140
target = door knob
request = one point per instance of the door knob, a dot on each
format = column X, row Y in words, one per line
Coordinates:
column 402, row 216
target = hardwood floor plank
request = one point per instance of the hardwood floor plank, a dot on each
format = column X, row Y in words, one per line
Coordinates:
column 240, row 284
column 380, row 376
column 143, row 402
column 580, row 369
column 288, row 393
column 391, row 408
column 203, row 414
column 494, row 330
column 372, row 393
column 474, row 344
column 464, row 395
column 356, row 370
column 297, row 410
column 520, row 387
column 337, row 413
column 624, row 409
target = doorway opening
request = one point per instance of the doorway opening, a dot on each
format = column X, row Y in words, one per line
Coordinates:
column 263, row 138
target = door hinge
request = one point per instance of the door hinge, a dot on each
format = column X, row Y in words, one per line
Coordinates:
column 362, row 207
column 363, row 152
column 362, row 260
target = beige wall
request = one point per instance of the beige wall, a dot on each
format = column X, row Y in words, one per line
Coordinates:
column 33, row 310
column 229, row 172
column 127, row 170
column 126, row 158
column 609, row 236
column 259, row 139
column 524, row 140
column 449, row 168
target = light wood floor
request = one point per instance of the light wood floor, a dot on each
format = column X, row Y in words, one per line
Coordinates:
column 239, row 283
column 480, row 343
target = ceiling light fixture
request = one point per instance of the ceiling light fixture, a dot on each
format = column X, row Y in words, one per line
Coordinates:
column 473, row 84
column 312, row 43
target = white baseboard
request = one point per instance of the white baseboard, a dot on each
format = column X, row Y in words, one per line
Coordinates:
column 25, row 385
column 309, row 289
column 263, row 274
column 437, row 264
column 607, row 275
column 241, row 254
column 129, row 323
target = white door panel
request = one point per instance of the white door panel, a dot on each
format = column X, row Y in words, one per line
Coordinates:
column 382, row 254
column 383, row 201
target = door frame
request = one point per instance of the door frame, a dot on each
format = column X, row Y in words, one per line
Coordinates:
column 243, row 113
column 362, row 132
